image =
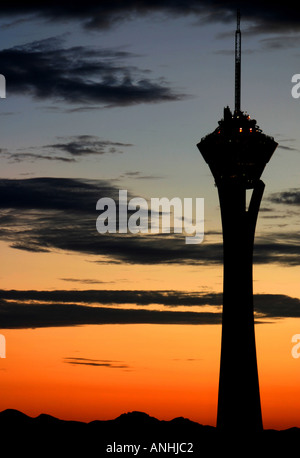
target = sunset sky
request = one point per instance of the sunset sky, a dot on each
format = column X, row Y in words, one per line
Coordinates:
column 110, row 96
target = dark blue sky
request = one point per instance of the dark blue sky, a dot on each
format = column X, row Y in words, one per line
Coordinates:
column 122, row 95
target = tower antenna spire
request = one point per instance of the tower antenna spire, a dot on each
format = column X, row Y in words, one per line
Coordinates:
column 237, row 101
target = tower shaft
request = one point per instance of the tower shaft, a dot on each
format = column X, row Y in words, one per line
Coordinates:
column 239, row 399
column 238, row 38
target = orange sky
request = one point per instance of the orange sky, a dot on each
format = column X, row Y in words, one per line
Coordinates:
column 164, row 370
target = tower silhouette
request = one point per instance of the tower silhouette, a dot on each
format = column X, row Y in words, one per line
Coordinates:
column 237, row 152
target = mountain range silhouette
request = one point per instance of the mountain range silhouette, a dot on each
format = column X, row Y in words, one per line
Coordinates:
column 46, row 434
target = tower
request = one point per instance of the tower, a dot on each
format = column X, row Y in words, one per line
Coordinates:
column 237, row 152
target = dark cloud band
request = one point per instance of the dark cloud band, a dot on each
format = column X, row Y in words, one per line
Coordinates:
column 265, row 15
column 48, row 214
column 15, row 315
column 80, row 75
column 30, row 309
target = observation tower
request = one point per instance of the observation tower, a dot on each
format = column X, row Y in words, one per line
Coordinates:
column 237, row 152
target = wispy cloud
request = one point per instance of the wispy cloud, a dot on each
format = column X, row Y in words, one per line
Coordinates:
column 70, row 149
column 137, row 175
column 32, row 157
column 86, row 281
column 281, row 42
column 287, row 148
column 97, row 363
column 82, row 145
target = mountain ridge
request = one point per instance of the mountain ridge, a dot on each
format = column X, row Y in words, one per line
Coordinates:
column 109, row 438
column 129, row 416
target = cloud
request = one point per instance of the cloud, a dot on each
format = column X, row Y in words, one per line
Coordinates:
column 33, row 309
column 280, row 42
column 287, row 148
column 97, row 363
column 136, row 175
column 277, row 306
column 291, row 197
column 167, row 298
column 278, row 248
column 47, row 193
column 51, row 214
column 72, row 149
column 86, row 281
column 82, row 145
column 16, row 315
column 32, row 157
column 80, row 75
column 264, row 16
column 43, row 214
